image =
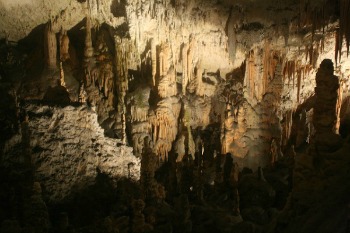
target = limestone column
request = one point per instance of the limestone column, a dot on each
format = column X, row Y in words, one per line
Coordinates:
column 121, row 47
column 325, row 112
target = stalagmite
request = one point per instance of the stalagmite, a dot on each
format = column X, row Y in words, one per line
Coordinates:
column 338, row 106
column 50, row 47
column 82, row 93
column 62, row 82
column 226, row 136
column 191, row 143
column 124, row 126
column 325, row 110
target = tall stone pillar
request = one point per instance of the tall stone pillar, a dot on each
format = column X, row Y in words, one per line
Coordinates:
column 325, row 113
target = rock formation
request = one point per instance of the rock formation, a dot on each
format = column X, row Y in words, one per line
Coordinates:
column 174, row 115
column 50, row 47
column 325, row 110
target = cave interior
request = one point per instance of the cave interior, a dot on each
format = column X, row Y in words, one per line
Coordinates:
column 174, row 116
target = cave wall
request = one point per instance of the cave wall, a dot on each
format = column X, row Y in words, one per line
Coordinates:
column 175, row 116
column 173, row 69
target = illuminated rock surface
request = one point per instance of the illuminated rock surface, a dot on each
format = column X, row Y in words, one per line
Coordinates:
column 174, row 115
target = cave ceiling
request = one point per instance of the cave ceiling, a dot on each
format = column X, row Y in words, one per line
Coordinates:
column 210, row 22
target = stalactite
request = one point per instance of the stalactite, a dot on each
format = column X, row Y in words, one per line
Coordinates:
column 289, row 70
column 138, row 113
column 199, row 75
column 50, row 47
column 256, row 81
column 299, row 74
column 318, row 18
column 295, row 69
column 161, row 64
column 322, row 45
column 64, row 46
column 167, row 84
column 315, row 16
column 89, row 51
column 108, row 77
column 154, row 60
column 269, row 66
column 292, row 72
column 287, row 126
column 167, row 57
column 140, row 126
column 251, row 74
column 164, row 124
column 266, row 66
column 337, row 49
column 344, row 25
column 184, row 69
column 167, row 80
column 190, row 59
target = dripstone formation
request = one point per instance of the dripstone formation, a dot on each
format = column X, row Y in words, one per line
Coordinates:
column 325, row 110
column 173, row 116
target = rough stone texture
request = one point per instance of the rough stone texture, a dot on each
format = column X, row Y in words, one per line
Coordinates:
column 69, row 149
column 320, row 187
column 325, row 110
column 200, row 79
column 64, row 14
column 187, row 50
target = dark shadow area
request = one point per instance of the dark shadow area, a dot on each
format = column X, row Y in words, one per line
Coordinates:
column 87, row 208
column 57, row 96
column 118, row 8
